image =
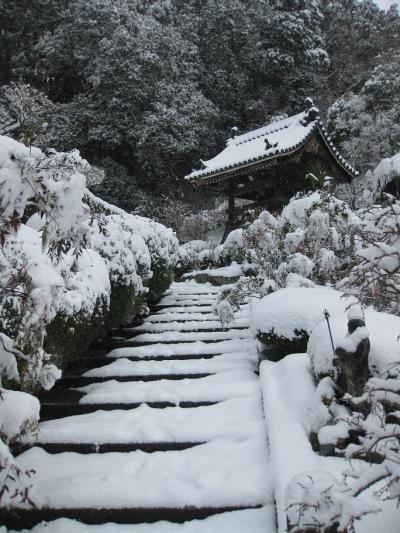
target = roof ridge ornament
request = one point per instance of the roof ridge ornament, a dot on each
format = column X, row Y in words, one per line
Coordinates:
column 268, row 145
column 235, row 132
column 311, row 112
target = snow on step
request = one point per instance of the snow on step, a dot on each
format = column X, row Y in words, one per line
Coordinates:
column 125, row 367
column 192, row 287
column 171, row 317
column 187, row 309
column 244, row 521
column 188, row 296
column 186, row 349
column 176, row 336
column 217, row 387
column 220, row 473
column 186, row 300
column 234, row 418
column 192, row 309
column 187, row 326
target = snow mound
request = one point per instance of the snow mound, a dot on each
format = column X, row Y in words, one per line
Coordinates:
column 294, row 309
column 290, row 415
column 17, row 410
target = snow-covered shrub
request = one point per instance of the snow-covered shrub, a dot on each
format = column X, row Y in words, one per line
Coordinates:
column 232, row 250
column 312, row 242
column 324, row 229
column 317, row 502
column 19, row 415
column 163, row 247
column 375, row 279
column 196, row 226
column 52, row 186
column 385, row 178
column 152, row 248
column 191, row 256
column 83, row 309
column 285, row 319
column 314, row 237
column 128, row 263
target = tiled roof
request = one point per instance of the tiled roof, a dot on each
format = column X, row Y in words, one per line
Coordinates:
column 267, row 142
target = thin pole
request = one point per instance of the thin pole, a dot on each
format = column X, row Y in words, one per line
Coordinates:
column 327, row 316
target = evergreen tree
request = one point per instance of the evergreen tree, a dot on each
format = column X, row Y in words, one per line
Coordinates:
column 367, row 124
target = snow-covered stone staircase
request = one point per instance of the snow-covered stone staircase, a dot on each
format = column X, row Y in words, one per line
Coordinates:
column 165, row 432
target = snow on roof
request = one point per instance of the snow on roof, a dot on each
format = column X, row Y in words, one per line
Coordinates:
column 279, row 137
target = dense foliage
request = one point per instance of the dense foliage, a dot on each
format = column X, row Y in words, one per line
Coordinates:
column 144, row 89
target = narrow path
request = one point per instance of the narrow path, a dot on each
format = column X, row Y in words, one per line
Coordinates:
column 168, row 426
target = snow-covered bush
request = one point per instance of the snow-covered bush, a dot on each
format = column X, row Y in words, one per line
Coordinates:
column 317, row 502
column 312, row 242
column 384, row 178
column 192, row 256
column 150, row 250
column 163, row 247
column 128, row 264
column 19, row 415
column 375, row 279
column 196, row 226
column 52, row 186
column 285, row 319
column 232, row 250
column 314, row 237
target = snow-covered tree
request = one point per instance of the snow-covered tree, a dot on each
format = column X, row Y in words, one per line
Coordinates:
column 291, row 50
column 366, row 34
column 23, row 111
column 375, row 279
column 366, row 124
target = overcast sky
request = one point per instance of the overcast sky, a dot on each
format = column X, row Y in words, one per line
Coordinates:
column 386, row 3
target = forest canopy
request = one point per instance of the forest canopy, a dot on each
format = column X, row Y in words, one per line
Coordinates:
column 144, row 89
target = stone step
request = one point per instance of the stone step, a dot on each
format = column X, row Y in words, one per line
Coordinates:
column 74, row 381
column 132, row 343
column 127, row 334
column 51, row 410
column 200, row 308
column 90, row 362
column 119, row 447
column 23, row 519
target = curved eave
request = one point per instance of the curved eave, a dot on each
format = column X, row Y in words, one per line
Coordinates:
column 224, row 174
column 345, row 165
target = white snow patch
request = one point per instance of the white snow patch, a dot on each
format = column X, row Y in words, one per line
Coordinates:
column 295, row 308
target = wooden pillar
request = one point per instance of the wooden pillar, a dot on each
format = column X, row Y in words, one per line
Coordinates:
column 230, row 225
